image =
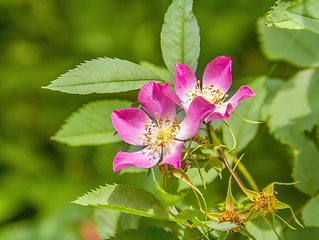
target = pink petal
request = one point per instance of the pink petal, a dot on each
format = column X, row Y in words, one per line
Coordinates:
column 142, row 159
column 173, row 155
column 218, row 73
column 242, row 93
column 152, row 99
column 185, row 80
column 197, row 112
column 129, row 123
column 227, row 107
column 217, row 115
column 173, row 96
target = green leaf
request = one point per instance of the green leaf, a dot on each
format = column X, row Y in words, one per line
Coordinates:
column 91, row 124
column 125, row 199
column 103, row 75
column 277, row 16
column 305, row 13
column 296, row 104
column 249, row 109
column 310, row 213
column 145, row 234
column 300, row 47
column 307, row 165
column 180, row 36
column 273, row 85
column 166, row 198
column 162, row 72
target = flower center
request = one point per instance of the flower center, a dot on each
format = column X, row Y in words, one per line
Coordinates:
column 160, row 134
column 211, row 94
column 232, row 217
column 265, row 203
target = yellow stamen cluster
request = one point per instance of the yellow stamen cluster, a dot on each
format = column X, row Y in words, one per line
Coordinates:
column 232, row 217
column 161, row 133
column 199, row 139
column 264, row 203
column 169, row 171
column 211, row 94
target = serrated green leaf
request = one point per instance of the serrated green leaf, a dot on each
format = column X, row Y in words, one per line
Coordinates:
column 103, row 75
column 91, row 124
column 180, row 36
column 125, row 199
column 277, row 16
column 300, row 47
column 305, row 13
column 162, row 72
column 145, row 234
column 249, row 109
column 297, row 103
column 310, row 213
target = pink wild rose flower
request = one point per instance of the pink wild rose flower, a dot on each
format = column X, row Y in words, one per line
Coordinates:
column 217, row 80
column 156, row 128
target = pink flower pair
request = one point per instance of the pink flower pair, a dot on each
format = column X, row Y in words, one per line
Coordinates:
column 157, row 127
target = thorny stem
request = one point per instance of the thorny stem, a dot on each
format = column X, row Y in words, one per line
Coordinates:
column 246, row 174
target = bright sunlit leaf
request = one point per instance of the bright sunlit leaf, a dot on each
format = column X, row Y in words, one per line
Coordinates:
column 180, row 36
column 103, row 75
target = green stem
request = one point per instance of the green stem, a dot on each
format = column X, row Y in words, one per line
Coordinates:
column 208, row 130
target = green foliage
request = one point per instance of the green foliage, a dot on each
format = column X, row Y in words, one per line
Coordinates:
column 300, row 112
column 125, row 199
column 180, row 36
column 305, row 13
column 103, row 75
column 273, row 85
column 309, row 214
column 249, row 109
column 290, row 116
column 300, row 14
column 297, row 47
column 278, row 17
column 145, row 234
column 91, row 124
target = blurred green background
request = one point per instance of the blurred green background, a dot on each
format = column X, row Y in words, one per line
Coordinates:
column 41, row 39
